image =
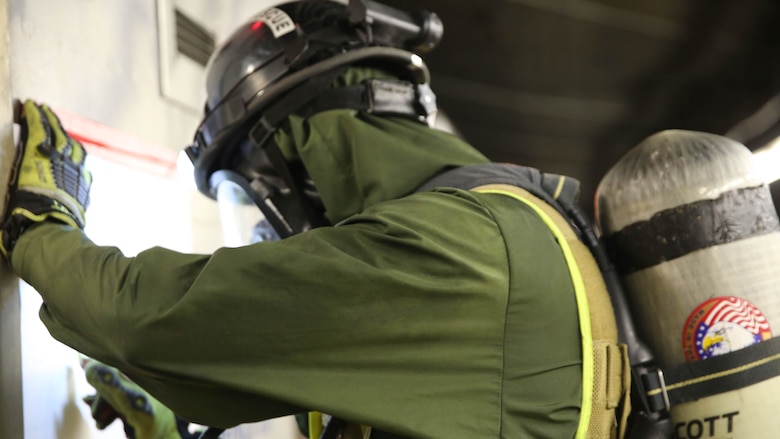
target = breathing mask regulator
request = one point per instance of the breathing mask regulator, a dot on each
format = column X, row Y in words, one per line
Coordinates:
column 285, row 61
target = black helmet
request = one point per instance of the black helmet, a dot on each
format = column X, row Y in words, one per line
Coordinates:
column 284, row 61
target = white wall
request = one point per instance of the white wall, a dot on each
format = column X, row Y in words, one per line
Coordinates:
column 99, row 59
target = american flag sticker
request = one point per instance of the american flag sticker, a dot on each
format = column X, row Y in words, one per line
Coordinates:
column 722, row 325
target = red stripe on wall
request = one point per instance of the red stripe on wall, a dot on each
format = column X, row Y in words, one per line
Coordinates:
column 118, row 146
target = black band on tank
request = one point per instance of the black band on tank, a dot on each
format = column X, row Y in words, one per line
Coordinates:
column 675, row 232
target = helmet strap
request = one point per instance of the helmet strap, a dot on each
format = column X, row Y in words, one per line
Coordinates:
column 302, row 213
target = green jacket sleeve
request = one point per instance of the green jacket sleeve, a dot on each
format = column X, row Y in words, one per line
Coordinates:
column 388, row 319
column 343, row 319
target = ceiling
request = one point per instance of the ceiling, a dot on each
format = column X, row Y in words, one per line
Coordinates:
column 568, row 86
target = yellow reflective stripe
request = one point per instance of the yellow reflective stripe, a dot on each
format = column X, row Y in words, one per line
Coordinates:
column 582, row 310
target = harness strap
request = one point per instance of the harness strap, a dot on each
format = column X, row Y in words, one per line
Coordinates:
column 605, row 368
column 386, row 97
column 719, row 374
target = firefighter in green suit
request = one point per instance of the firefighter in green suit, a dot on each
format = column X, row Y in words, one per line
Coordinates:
column 393, row 297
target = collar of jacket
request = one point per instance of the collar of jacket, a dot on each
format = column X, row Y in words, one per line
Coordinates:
column 357, row 160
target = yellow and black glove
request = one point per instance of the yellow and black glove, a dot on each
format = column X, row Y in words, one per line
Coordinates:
column 143, row 416
column 48, row 179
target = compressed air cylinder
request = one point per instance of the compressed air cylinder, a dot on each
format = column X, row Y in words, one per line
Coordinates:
column 693, row 231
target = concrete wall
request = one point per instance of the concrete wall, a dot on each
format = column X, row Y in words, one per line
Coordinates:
column 10, row 339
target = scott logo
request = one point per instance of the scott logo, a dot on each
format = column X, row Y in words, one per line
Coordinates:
column 712, row 426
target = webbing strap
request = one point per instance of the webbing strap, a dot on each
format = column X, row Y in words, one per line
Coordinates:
column 719, row 374
column 387, row 97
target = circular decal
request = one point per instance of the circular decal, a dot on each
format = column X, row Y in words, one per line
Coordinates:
column 721, row 325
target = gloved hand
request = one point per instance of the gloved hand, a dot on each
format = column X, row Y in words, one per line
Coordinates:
column 48, row 178
column 143, row 416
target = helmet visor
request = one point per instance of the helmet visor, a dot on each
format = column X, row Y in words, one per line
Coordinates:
column 243, row 223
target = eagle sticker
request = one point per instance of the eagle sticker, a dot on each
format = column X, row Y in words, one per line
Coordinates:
column 722, row 325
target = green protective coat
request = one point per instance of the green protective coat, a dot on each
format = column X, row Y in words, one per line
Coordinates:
column 442, row 314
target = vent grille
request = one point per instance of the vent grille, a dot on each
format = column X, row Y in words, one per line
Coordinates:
column 193, row 40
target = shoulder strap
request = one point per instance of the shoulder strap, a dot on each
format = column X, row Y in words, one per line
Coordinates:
column 556, row 190
column 606, row 371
